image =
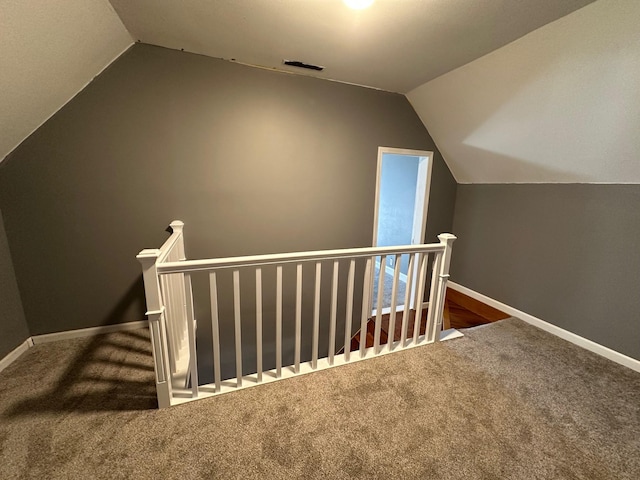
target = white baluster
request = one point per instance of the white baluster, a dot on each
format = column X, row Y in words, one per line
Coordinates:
column 379, row 304
column 407, row 301
column 278, row 321
column 433, row 297
column 238, row 325
column 422, row 277
column 334, row 311
column 170, row 333
column 296, row 365
column 259, row 324
column 394, row 303
column 366, row 310
column 179, row 309
column 316, row 316
column 215, row 329
column 349, row 310
column 181, row 302
column 191, row 332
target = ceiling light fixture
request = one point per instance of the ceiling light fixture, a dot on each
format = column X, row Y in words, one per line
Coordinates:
column 358, row 4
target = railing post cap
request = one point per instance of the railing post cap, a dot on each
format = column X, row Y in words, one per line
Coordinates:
column 148, row 255
column 176, row 225
column 447, row 237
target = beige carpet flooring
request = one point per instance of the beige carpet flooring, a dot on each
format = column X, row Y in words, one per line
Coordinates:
column 388, row 284
column 506, row 401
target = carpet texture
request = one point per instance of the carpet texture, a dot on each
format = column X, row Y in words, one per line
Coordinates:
column 505, row 401
column 386, row 294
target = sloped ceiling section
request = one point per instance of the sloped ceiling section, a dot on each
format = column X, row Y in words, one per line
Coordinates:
column 50, row 51
column 393, row 45
column 560, row 105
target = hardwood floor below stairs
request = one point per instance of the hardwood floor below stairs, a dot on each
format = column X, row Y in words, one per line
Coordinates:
column 460, row 311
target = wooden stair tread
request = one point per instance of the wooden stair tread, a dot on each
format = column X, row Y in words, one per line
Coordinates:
column 467, row 304
column 462, row 311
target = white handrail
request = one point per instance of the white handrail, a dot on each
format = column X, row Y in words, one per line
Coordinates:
column 280, row 258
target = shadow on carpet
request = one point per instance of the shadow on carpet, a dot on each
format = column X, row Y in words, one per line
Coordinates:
column 111, row 372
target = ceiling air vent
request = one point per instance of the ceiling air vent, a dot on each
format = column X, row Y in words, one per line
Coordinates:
column 308, row 66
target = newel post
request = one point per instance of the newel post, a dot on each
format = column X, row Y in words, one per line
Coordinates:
column 446, row 239
column 155, row 312
column 177, row 227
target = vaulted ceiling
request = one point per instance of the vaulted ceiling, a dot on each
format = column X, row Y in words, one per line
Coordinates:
column 394, row 45
column 408, row 46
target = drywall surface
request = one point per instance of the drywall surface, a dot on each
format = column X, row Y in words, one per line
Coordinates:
column 13, row 326
column 393, row 45
column 252, row 161
column 567, row 254
column 50, row 51
column 560, row 105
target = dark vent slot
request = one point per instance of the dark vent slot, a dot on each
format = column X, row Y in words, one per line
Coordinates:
column 296, row 63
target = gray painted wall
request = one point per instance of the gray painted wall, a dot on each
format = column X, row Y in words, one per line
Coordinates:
column 252, row 161
column 567, row 254
column 13, row 326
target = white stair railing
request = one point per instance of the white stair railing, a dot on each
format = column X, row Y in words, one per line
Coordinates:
column 167, row 277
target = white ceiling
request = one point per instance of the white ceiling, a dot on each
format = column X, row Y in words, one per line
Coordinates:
column 560, row 105
column 394, row 45
column 48, row 53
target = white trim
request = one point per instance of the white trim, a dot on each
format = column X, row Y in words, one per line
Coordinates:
column 422, row 210
column 450, row 334
column 590, row 345
column 425, row 168
column 376, row 200
column 13, row 355
column 88, row 332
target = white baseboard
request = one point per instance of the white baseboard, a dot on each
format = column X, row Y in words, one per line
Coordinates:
column 590, row 345
column 88, row 332
column 15, row 353
column 450, row 334
column 54, row 337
